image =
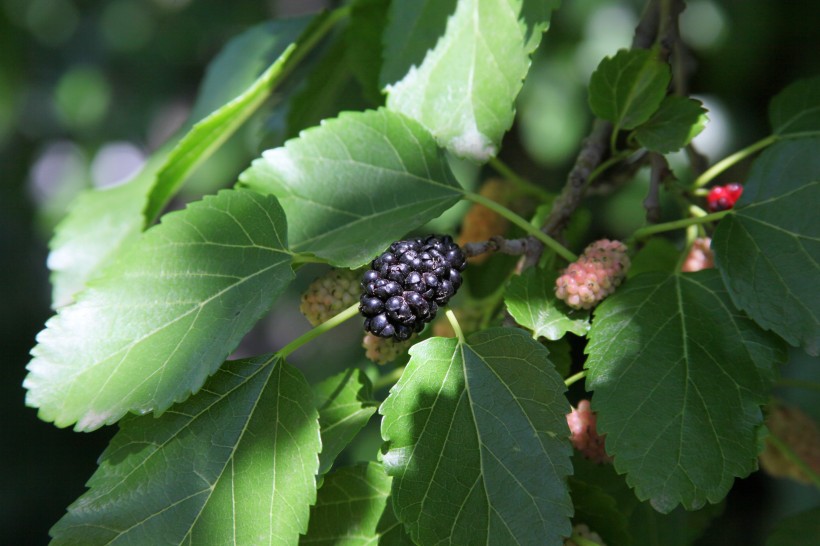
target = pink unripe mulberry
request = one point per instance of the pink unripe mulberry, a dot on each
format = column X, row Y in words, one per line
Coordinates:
column 594, row 276
column 584, row 433
column 700, row 256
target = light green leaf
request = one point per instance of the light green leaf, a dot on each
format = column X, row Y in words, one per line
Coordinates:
column 165, row 315
column 679, row 376
column 795, row 111
column 464, row 88
column 355, row 184
column 628, row 88
column 349, row 507
column 103, row 222
column 799, row 530
column 530, row 299
column 768, row 248
column 477, row 442
column 673, row 126
column 234, row 464
column 214, row 129
column 345, row 403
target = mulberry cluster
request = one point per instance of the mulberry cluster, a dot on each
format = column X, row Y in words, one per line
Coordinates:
column 329, row 295
column 723, row 197
column 799, row 432
column 405, row 285
column 700, row 256
column 584, row 433
column 595, row 275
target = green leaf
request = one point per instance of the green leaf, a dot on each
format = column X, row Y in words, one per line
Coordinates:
column 799, row 530
column 795, row 111
column 349, row 507
column 628, row 88
column 679, row 376
column 530, row 299
column 768, row 248
column 477, row 442
column 232, row 464
column 673, row 126
column 165, row 315
column 656, row 255
column 99, row 223
column 363, row 44
column 464, row 88
column 355, row 184
column 599, row 511
column 209, row 133
column 103, row 222
column 345, row 403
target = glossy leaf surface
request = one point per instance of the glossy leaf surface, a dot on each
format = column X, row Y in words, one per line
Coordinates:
column 531, row 301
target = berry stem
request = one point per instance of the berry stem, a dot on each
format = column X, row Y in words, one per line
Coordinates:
column 326, row 326
column 644, row 232
column 551, row 243
column 574, row 378
column 727, row 162
column 388, row 380
column 794, row 458
column 456, row 326
column 523, row 185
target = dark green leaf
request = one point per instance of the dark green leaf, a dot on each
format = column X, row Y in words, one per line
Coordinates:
column 165, row 315
column 628, row 88
column 363, row 44
column 464, row 88
column 795, row 111
column 531, row 301
column 800, row 530
column 355, row 184
column 477, row 442
column 345, row 405
column 673, row 126
column 349, row 507
column 768, row 249
column 232, row 464
column 656, row 255
column 214, row 129
column 599, row 511
column 679, row 376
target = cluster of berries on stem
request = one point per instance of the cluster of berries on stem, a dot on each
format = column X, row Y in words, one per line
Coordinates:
column 405, row 285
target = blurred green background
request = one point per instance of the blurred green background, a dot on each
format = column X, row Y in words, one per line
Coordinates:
column 89, row 88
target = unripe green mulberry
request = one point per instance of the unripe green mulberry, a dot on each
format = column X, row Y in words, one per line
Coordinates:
column 582, row 530
column 595, row 275
column 382, row 350
column 329, row 295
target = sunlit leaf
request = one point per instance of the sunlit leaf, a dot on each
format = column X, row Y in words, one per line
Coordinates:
column 679, row 376
column 165, row 315
column 677, row 121
column 345, row 404
column 234, row 464
column 531, row 301
column 457, row 68
column 477, row 442
column 768, row 248
column 628, row 88
column 355, row 184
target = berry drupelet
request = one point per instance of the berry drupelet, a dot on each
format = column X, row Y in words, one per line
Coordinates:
column 405, row 285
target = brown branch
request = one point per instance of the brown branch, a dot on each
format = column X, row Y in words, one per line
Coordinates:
column 514, row 247
column 659, row 172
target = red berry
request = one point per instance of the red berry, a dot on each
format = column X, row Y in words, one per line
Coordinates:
column 723, row 197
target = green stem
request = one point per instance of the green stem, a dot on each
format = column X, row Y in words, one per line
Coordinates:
column 454, row 323
column 607, row 164
column 798, row 383
column 573, row 378
column 677, row 224
column 727, row 162
column 388, row 380
column 326, row 326
column 794, row 458
column 523, row 224
column 523, row 185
